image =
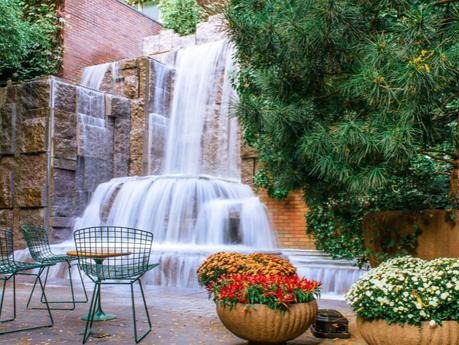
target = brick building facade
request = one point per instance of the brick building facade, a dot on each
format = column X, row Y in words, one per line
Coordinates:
column 99, row 31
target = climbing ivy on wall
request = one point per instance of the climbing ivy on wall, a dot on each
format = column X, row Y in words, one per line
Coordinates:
column 29, row 39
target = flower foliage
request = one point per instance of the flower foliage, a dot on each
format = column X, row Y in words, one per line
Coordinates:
column 408, row 290
column 224, row 263
column 275, row 291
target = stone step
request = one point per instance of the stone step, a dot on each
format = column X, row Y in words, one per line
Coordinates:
column 336, row 276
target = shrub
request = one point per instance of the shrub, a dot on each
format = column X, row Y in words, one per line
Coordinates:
column 408, row 290
column 277, row 292
column 354, row 102
column 182, row 16
column 224, row 263
column 29, row 39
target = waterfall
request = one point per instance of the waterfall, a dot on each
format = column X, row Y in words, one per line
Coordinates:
column 198, row 140
column 192, row 199
column 196, row 205
column 94, row 75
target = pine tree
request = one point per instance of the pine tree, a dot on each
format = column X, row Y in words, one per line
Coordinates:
column 346, row 95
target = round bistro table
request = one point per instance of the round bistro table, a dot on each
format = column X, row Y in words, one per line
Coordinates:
column 98, row 259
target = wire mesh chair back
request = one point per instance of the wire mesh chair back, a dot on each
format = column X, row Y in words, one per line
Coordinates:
column 6, row 248
column 113, row 252
column 37, row 240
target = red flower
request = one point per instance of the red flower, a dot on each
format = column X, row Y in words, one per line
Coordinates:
column 276, row 291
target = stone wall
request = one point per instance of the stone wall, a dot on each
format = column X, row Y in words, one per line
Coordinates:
column 24, row 133
column 49, row 165
column 132, row 80
column 167, row 40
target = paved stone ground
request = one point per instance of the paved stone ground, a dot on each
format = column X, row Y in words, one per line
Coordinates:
column 179, row 317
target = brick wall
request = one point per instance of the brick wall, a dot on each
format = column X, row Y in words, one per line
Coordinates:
column 99, row 31
column 287, row 216
column 288, row 219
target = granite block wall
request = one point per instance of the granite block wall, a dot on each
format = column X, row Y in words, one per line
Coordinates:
column 49, row 164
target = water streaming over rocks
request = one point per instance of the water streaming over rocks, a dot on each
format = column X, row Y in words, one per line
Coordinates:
column 191, row 199
column 195, row 204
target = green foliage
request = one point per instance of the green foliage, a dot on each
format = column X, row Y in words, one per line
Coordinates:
column 142, row 2
column 13, row 35
column 182, row 16
column 407, row 290
column 356, row 103
column 29, row 39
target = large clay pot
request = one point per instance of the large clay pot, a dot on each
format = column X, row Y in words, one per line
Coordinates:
column 263, row 325
column 379, row 332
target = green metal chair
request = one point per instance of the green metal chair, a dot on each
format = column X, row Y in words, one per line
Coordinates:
column 37, row 241
column 114, row 255
column 9, row 268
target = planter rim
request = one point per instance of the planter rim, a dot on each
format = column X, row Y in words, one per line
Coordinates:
column 423, row 323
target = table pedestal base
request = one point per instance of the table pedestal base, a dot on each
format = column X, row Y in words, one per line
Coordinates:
column 99, row 316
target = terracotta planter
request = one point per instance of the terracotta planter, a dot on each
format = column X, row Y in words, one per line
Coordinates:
column 381, row 333
column 266, row 326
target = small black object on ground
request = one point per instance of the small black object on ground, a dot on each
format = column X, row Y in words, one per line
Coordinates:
column 330, row 324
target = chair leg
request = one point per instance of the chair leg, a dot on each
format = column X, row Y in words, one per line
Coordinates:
column 91, row 313
column 84, row 287
column 71, row 285
column 51, row 320
column 46, row 301
column 139, row 339
column 42, row 298
column 31, row 293
column 5, row 280
column 44, row 283
column 72, row 291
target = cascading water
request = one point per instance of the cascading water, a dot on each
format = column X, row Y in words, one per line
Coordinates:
column 93, row 76
column 191, row 199
column 196, row 205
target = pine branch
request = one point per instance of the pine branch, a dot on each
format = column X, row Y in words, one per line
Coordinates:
column 444, row 2
column 441, row 173
column 450, row 161
column 374, row 21
column 448, row 153
column 443, row 106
